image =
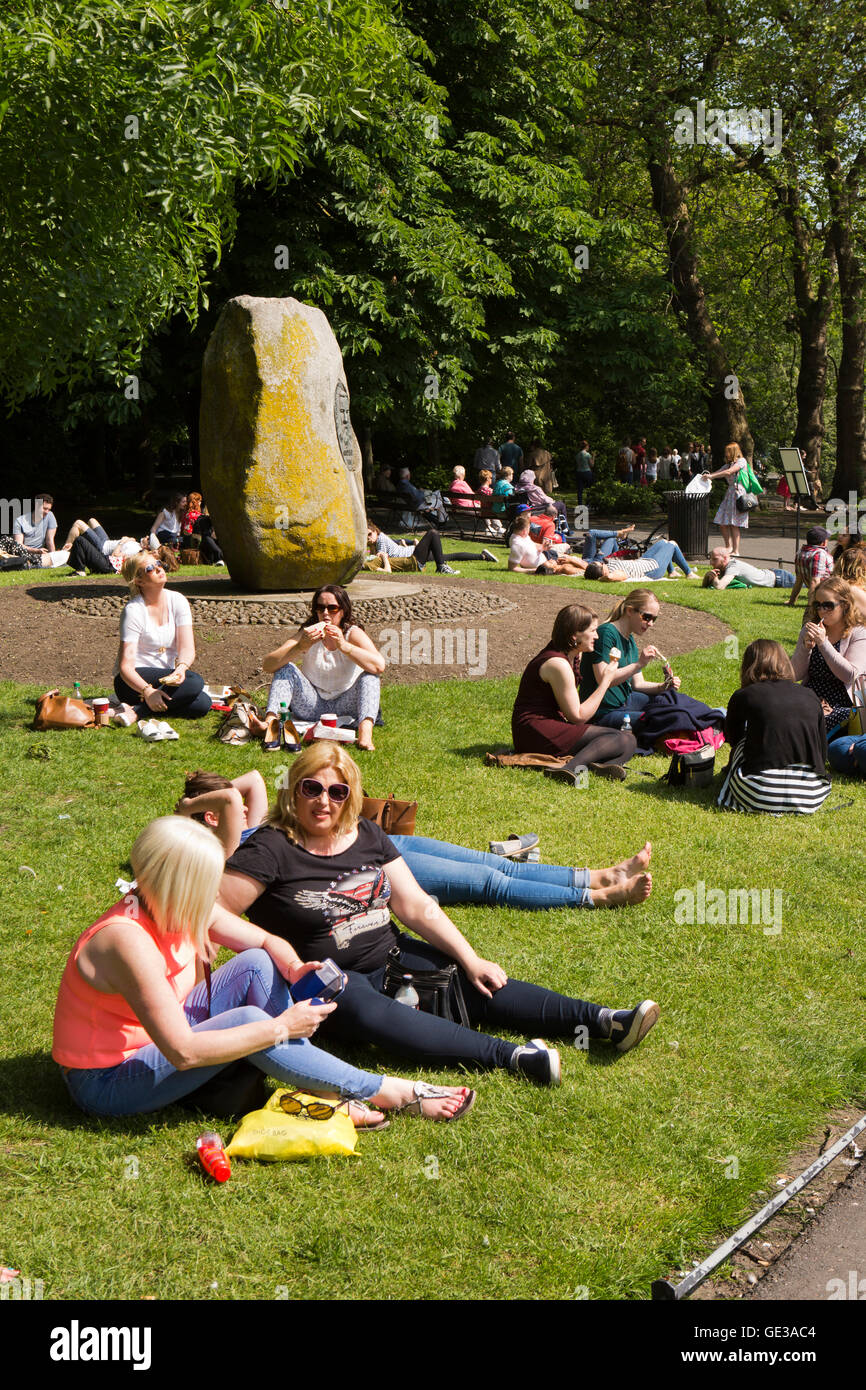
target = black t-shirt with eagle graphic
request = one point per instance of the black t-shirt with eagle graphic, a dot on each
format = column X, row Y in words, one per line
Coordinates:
column 335, row 905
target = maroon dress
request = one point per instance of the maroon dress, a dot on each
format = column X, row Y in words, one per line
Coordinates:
column 537, row 723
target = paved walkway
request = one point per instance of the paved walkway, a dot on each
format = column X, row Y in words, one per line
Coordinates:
column 832, row 1248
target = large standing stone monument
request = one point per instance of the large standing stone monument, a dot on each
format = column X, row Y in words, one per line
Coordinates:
column 280, row 465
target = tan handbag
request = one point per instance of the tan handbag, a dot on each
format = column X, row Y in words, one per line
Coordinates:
column 395, row 817
column 56, row 711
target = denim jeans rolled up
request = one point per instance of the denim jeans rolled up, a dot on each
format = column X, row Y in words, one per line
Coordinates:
column 247, row 989
column 666, row 554
column 454, row 874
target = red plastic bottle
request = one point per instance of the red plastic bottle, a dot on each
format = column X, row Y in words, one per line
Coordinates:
column 212, row 1156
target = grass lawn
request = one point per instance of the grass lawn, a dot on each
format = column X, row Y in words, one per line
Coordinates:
column 597, row 1188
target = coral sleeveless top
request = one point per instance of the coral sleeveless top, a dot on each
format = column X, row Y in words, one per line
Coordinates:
column 92, row 1029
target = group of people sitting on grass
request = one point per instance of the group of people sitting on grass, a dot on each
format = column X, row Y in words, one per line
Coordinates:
column 182, row 524
column 137, row 1027
column 789, row 718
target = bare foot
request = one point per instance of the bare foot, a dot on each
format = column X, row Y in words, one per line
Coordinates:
column 365, row 747
column 618, row 873
column 629, row 891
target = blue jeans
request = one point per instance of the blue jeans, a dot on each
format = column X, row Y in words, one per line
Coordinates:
column 666, row 554
column 453, row 874
column 592, row 550
column 612, row 718
column 246, row 990
column 784, row 579
column 846, row 753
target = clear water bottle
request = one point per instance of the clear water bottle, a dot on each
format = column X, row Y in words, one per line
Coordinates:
column 626, row 724
column 407, row 993
column 284, row 713
column 76, row 690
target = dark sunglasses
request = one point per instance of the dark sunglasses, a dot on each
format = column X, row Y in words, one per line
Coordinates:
column 649, row 617
column 827, row 606
column 149, row 569
column 310, row 788
column 328, row 608
column 316, row 1109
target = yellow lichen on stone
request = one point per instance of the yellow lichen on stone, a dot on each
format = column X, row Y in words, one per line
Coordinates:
column 283, row 489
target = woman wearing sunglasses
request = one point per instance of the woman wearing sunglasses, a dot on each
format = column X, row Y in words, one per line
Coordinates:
column 550, row 716
column 235, row 809
column 330, row 666
column 329, row 882
column 134, row 1031
column 157, row 650
column 776, row 732
column 626, row 691
column 830, row 656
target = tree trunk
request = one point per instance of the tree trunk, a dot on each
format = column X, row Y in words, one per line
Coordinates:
column 433, row 447
column 850, row 473
column 727, row 407
column 842, row 192
column 367, row 458
column 813, row 317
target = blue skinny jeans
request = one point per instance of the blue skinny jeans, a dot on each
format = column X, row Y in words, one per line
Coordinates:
column 245, row 990
column 666, row 554
column 453, row 874
column 592, row 550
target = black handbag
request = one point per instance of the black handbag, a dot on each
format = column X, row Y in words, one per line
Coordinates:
column 746, row 501
column 692, row 769
column 439, row 991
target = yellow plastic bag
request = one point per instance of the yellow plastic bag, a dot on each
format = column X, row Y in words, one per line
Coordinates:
column 272, row 1136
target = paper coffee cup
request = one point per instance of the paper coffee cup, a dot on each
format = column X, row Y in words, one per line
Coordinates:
column 329, row 721
column 100, row 710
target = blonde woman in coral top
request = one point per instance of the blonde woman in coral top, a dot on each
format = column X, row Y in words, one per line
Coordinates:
column 134, row 1032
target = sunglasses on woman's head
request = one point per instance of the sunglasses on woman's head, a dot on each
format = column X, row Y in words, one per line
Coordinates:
column 310, row 788
column 826, row 607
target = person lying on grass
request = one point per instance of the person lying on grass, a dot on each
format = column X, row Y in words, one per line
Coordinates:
column 328, row 881
column 656, row 563
column 526, row 557
column 135, row 1030
column 726, row 567
column 450, row 873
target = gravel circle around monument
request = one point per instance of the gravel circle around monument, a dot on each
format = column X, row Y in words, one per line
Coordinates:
column 54, row 633
column 442, row 605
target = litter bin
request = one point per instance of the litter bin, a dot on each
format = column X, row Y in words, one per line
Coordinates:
column 689, row 523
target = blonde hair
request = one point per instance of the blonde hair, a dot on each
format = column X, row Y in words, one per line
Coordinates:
column 637, row 600
column 732, row 452
column 179, row 866
column 459, row 471
column 165, row 556
column 324, row 753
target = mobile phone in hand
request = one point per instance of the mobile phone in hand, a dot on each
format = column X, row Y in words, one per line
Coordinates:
column 323, row 984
